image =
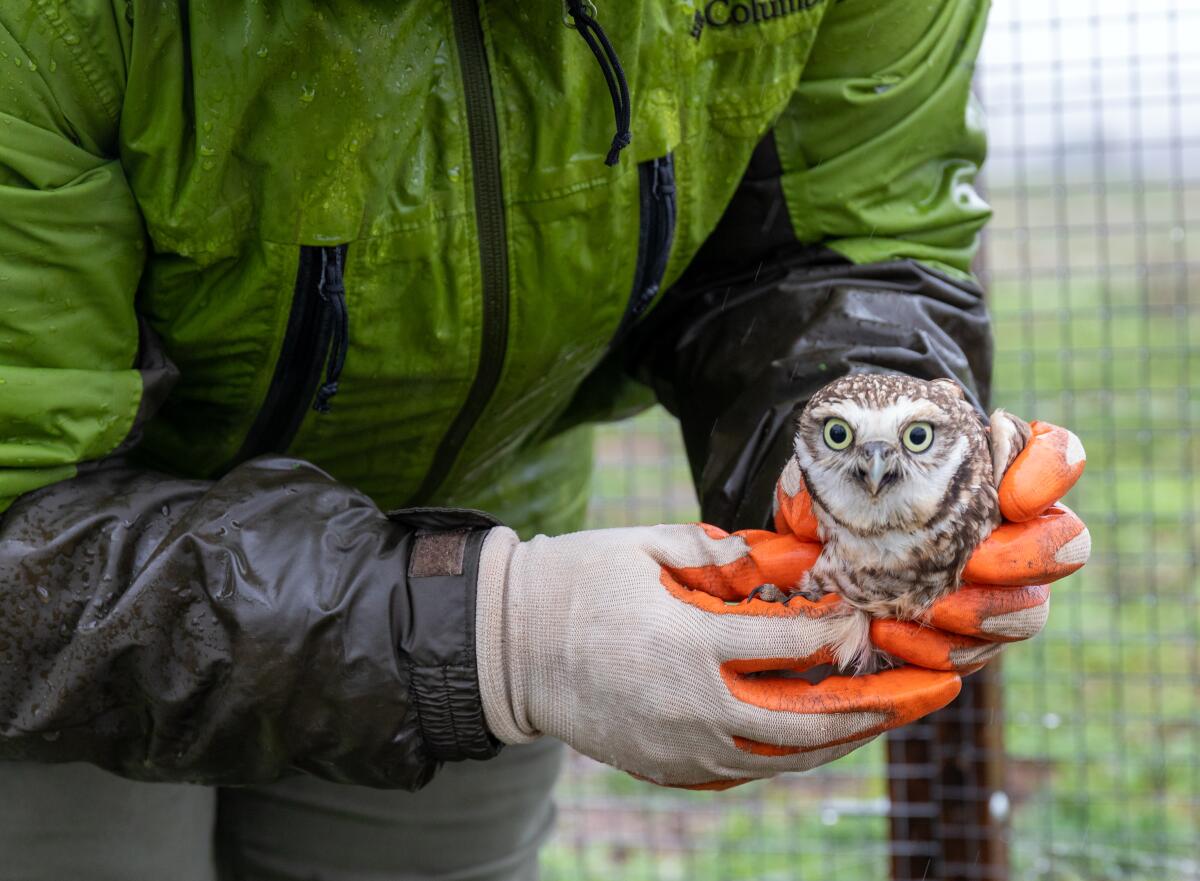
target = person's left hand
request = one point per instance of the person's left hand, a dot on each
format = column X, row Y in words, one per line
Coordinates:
column 1005, row 595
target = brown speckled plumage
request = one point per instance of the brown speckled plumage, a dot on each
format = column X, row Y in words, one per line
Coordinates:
column 898, row 526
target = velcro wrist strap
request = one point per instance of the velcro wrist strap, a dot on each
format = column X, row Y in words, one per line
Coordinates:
column 439, row 644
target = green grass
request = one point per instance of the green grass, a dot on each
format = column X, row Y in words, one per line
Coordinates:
column 827, row 824
column 1105, row 704
column 1102, row 709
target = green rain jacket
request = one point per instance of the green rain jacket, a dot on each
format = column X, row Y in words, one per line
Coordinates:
column 287, row 287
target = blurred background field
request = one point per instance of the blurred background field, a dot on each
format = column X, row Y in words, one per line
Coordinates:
column 1094, row 175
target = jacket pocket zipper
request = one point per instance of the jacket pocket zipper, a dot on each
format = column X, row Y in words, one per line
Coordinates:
column 657, row 209
column 316, row 338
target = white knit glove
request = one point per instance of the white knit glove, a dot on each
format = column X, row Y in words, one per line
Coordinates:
column 638, row 648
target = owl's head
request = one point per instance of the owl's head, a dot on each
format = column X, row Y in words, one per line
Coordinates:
column 880, row 451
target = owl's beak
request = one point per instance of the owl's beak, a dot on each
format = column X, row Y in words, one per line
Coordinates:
column 878, row 468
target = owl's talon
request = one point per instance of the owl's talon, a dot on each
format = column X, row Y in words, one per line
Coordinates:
column 768, row 593
column 812, row 594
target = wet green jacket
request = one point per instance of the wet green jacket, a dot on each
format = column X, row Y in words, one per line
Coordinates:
column 381, row 240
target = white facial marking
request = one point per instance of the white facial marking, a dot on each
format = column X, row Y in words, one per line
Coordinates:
column 913, row 500
column 882, row 423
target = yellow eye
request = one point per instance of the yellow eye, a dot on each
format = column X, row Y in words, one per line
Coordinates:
column 918, row 436
column 838, row 434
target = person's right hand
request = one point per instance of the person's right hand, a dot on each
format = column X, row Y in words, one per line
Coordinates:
column 638, row 647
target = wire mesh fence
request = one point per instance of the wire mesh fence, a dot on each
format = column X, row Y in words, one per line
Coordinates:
column 1091, row 766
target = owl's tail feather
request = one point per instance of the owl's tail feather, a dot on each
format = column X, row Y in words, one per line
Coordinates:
column 851, row 641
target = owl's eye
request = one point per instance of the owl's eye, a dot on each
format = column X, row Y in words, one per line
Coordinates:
column 918, row 436
column 838, row 434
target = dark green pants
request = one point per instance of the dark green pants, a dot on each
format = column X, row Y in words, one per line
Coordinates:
column 476, row 820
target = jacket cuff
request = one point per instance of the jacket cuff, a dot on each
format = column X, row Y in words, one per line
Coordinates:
column 439, row 643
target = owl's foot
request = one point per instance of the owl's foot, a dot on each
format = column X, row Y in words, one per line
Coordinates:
column 768, row 593
column 809, row 592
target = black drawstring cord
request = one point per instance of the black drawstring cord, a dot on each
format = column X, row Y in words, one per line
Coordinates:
column 333, row 291
column 614, row 74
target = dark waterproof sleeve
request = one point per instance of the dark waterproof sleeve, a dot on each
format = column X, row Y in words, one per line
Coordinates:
column 735, row 360
column 846, row 247
column 232, row 631
column 270, row 622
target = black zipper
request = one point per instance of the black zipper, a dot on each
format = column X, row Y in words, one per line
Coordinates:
column 656, row 231
column 484, row 137
column 316, row 338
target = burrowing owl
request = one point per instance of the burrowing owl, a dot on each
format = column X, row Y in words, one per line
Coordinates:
column 903, row 476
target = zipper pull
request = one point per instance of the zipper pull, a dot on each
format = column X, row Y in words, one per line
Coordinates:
column 332, row 291
column 664, row 181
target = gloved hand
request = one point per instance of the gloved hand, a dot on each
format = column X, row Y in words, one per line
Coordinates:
column 639, row 648
column 1005, row 594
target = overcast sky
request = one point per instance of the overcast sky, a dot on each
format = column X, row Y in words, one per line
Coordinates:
column 1058, row 75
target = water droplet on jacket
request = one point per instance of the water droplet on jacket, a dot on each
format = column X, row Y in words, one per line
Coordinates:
column 51, row 735
column 235, row 524
column 42, row 593
column 221, row 530
column 166, row 511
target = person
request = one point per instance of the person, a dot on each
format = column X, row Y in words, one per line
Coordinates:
column 293, row 292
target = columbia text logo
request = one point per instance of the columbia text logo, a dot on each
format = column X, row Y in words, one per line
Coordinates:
column 727, row 13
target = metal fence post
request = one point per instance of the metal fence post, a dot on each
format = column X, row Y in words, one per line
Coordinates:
column 949, row 810
column 948, row 818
